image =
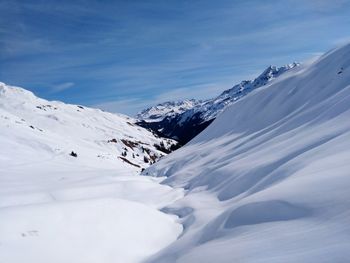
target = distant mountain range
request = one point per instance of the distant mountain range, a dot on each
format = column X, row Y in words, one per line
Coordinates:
column 183, row 120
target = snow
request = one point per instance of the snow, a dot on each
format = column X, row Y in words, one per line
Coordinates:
column 75, row 214
column 98, row 230
column 268, row 180
column 91, row 208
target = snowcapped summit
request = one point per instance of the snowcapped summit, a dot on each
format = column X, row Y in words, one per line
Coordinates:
column 185, row 119
column 272, row 72
column 166, row 109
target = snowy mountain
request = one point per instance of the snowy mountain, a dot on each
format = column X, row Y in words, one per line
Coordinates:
column 55, row 129
column 166, row 109
column 70, row 190
column 268, row 180
column 183, row 125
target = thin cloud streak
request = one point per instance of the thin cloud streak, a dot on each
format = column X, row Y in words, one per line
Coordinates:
column 61, row 87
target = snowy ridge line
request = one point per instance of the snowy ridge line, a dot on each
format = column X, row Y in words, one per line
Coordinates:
column 183, row 120
column 212, row 107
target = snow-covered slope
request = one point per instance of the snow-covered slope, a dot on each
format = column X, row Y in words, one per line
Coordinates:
column 58, row 208
column 269, row 179
column 54, row 129
column 166, row 109
column 194, row 116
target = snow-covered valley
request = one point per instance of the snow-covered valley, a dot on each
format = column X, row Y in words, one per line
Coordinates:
column 267, row 181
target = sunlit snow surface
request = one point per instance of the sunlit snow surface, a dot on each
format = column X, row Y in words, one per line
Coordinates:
column 268, row 181
column 92, row 208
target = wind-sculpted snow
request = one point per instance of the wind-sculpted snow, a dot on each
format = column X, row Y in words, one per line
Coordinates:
column 268, row 180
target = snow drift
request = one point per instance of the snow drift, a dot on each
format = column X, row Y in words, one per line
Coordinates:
column 268, row 180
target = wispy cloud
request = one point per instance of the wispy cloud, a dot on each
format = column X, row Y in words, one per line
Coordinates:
column 61, row 87
column 323, row 5
column 342, row 40
column 207, row 91
column 127, row 106
column 132, row 53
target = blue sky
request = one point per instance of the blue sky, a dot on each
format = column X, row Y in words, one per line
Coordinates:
column 123, row 56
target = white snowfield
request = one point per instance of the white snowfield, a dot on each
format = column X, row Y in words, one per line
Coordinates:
column 92, row 208
column 269, row 180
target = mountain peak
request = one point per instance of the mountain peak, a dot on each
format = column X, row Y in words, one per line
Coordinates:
column 165, row 109
column 272, row 72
